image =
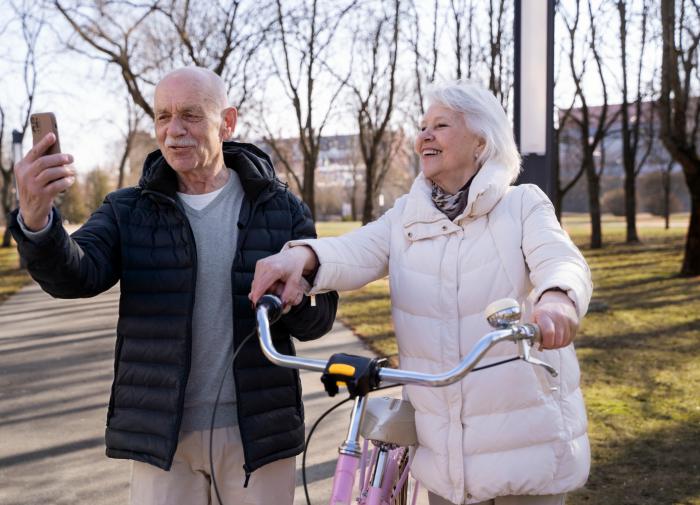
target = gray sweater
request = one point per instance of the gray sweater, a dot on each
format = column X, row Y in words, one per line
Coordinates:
column 215, row 232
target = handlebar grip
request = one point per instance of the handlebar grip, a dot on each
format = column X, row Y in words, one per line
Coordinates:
column 535, row 332
column 273, row 305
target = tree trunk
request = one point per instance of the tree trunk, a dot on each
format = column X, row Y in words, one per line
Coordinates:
column 122, row 161
column 594, row 205
column 557, row 194
column 368, row 207
column 631, row 206
column 309, row 182
column 666, row 185
column 691, row 260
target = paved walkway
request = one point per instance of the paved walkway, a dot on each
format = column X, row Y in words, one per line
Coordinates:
column 56, row 365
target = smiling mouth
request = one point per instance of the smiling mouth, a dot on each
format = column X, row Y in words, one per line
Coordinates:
column 180, row 149
column 430, row 152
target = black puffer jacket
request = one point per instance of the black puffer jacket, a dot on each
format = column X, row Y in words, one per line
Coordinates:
column 141, row 237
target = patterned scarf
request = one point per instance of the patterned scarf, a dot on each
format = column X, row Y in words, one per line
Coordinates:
column 451, row 205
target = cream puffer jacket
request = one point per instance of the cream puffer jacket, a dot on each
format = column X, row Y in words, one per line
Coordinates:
column 507, row 430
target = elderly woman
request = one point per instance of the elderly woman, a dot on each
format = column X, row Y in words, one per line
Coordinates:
column 460, row 239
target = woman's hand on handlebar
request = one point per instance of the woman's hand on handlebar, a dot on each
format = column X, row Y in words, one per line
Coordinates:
column 556, row 316
column 282, row 274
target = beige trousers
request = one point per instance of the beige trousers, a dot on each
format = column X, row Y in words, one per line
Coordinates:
column 550, row 499
column 189, row 480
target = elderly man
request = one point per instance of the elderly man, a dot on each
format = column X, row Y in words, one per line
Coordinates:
column 183, row 244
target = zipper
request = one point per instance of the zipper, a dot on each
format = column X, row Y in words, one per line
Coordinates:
column 242, row 234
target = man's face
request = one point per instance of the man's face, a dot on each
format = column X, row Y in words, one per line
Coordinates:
column 189, row 124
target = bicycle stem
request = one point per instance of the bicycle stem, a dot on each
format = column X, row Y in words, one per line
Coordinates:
column 352, row 446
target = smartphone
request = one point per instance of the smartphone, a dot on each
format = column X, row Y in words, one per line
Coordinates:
column 43, row 123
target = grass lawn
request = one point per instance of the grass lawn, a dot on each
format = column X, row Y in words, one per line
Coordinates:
column 640, row 361
column 11, row 277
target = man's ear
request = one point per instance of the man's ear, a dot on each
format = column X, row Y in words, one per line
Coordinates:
column 228, row 123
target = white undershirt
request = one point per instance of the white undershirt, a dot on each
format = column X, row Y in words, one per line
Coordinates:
column 198, row 202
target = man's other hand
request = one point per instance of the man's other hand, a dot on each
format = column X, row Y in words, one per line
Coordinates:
column 39, row 179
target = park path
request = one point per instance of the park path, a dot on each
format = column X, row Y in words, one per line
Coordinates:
column 56, row 365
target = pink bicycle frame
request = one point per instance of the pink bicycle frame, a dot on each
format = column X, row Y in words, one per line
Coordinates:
column 344, row 479
column 374, row 489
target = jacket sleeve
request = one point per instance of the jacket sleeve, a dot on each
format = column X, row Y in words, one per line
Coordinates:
column 354, row 259
column 304, row 321
column 553, row 259
column 82, row 265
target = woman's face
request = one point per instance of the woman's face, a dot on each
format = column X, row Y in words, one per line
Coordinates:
column 447, row 148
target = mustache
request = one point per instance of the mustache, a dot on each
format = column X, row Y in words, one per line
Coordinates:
column 180, row 143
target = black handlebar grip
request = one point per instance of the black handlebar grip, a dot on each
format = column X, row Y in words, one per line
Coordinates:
column 273, row 305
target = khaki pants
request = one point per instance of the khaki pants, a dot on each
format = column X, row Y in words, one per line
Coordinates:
column 550, row 499
column 189, row 480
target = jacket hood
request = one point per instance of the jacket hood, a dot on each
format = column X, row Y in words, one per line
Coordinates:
column 487, row 188
column 253, row 166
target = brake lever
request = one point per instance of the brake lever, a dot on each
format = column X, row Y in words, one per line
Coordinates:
column 524, row 347
column 505, row 314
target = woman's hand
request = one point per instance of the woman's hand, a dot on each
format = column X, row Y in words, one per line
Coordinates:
column 282, row 274
column 556, row 316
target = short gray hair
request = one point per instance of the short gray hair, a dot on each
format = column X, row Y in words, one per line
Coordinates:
column 483, row 115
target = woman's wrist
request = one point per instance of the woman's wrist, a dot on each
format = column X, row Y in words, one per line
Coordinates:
column 308, row 256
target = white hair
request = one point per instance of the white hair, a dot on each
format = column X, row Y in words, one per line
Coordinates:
column 484, row 116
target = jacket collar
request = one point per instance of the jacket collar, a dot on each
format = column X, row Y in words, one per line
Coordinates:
column 487, row 188
column 253, row 166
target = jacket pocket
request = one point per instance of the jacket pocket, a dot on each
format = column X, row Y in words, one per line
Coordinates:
column 551, row 386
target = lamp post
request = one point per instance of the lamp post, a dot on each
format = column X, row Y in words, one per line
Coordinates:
column 16, row 156
column 534, row 91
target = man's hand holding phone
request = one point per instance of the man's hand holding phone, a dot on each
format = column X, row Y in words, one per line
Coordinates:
column 40, row 177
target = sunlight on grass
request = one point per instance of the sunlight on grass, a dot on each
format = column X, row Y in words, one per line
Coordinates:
column 639, row 354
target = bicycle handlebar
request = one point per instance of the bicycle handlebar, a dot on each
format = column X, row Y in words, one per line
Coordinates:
column 269, row 308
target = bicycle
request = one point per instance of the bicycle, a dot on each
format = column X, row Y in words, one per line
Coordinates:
column 384, row 422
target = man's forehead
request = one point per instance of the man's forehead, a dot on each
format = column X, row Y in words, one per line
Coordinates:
column 182, row 97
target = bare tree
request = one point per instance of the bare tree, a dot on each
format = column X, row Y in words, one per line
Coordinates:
column 631, row 127
column 31, row 26
column 110, row 30
column 133, row 120
column 592, row 126
column 465, row 50
column 424, row 67
column 679, row 105
column 562, row 188
column 143, row 40
column 375, row 92
column 304, row 37
column 499, row 82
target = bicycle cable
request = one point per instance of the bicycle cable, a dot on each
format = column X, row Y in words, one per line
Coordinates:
column 322, row 416
column 213, row 414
